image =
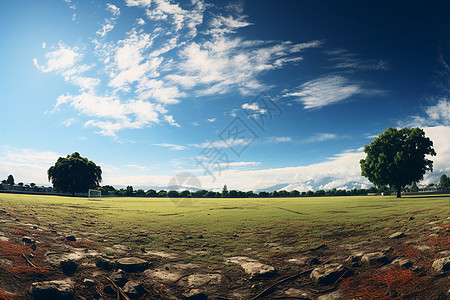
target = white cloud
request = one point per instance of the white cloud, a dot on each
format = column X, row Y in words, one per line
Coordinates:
column 440, row 112
column 350, row 61
column 119, row 115
column 61, row 58
column 109, row 23
column 320, row 138
column 26, row 165
column 279, row 139
column 44, row 45
column 223, row 143
column 172, row 146
column 211, row 120
column 160, row 67
column 69, row 122
column 436, row 114
column 325, row 91
column 171, row 121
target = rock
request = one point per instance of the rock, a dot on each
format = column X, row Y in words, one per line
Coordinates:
column 68, row 266
column 410, row 218
column 71, row 238
column 353, row 258
column 328, row 273
column 27, row 240
column 105, row 263
column 133, row 289
column 252, row 267
column 375, row 258
column 331, row 296
column 119, row 278
column 298, row 294
column 55, row 289
column 422, row 248
column 88, row 282
column 441, row 265
column 297, row 261
column 6, row 263
column 397, row 235
column 194, row 294
column 131, row 264
column 402, row 262
column 197, row 280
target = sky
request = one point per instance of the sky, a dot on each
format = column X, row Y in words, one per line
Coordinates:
column 257, row 95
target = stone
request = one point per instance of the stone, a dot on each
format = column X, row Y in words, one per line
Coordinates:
column 194, row 294
column 27, row 240
column 71, row 238
column 133, row 289
column 375, row 258
column 441, row 265
column 298, row 294
column 6, row 263
column 55, row 289
column 397, row 235
column 105, row 263
column 68, row 266
column 89, row 282
column 423, row 248
column 131, row 264
column 402, row 262
column 119, row 278
column 196, row 280
column 332, row 296
column 252, row 267
column 329, row 273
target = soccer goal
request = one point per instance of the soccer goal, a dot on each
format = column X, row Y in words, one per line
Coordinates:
column 95, row 195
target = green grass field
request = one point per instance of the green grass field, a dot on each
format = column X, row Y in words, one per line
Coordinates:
column 228, row 226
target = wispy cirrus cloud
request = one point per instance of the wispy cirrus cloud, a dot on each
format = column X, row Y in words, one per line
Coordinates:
column 345, row 60
column 328, row 90
column 172, row 146
column 161, row 60
column 320, row 137
column 279, row 139
column 110, row 22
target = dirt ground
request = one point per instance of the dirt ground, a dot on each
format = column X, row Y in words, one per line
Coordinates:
column 87, row 267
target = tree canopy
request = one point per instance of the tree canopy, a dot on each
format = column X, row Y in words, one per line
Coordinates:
column 444, row 182
column 10, row 180
column 74, row 174
column 397, row 158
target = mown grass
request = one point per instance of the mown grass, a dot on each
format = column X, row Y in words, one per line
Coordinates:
column 229, row 226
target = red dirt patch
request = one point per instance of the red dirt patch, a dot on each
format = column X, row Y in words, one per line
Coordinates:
column 391, row 283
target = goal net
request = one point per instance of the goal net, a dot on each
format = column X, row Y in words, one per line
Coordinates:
column 94, row 194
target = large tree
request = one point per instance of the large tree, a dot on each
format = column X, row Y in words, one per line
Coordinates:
column 74, row 174
column 444, row 182
column 397, row 158
column 10, row 180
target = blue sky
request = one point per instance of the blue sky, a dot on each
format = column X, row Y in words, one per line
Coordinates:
column 150, row 89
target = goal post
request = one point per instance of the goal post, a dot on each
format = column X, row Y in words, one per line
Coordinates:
column 95, row 195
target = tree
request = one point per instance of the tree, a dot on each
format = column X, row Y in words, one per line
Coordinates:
column 224, row 191
column 397, row 158
column 74, row 174
column 129, row 191
column 10, row 180
column 32, row 184
column 151, row 193
column 444, row 182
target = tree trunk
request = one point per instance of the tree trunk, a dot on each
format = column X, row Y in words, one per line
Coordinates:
column 399, row 192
